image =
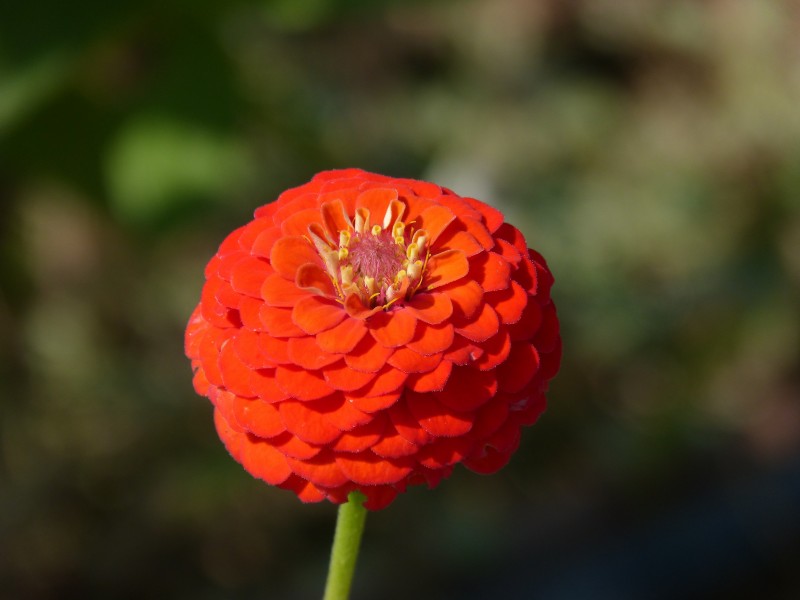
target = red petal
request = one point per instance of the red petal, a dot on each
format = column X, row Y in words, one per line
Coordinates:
column 296, row 224
column 480, row 233
column 444, row 452
column 251, row 231
column 488, row 462
column 235, row 374
column 339, row 412
column 393, row 328
column 291, row 445
column 321, row 470
column 199, row 380
column 544, row 278
column 305, row 490
column 407, row 426
column 509, row 252
column 491, row 216
column 463, row 352
column 290, row 253
column 481, row 327
column 278, row 321
column 250, row 313
column 233, row 440
column 362, row 437
column 512, row 235
column 369, row 469
column 224, row 293
column 249, row 274
column 342, row 377
column 491, row 271
column 373, row 404
column 230, row 245
column 490, row 417
column 409, row 361
column 529, row 322
column 436, row 418
column 527, row 276
column 468, row 389
column 551, row 361
column 508, row 303
column 459, row 240
column 246, row 346
column 262, row 245
column 223, row 401
column 433, row 381
column 519, row 368
column 379, row 496
column 444, row 268
column 289, row 206
column 302, row 384
column 547, row 335
column 506, row 438
column 315, row 314
column 304, row 352
column 368, row 355
column 393, row 445
column 195, row 329
column 387, row 380
column 495, row 351
column 275, row 349
column 263, row 461
column 265, row 387
column 259, row 418
column 466, row 297
column 430, row 308
column 431, row 339
column 209, row 347
column 279, row 291
column 309, row 425
column 533, row 409
column 342, row 338
column 212, row 309
column 434, row 220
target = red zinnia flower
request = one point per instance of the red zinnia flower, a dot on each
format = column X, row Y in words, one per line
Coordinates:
column 368, row 333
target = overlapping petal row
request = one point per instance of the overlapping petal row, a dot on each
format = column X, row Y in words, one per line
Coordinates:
column 370, row 333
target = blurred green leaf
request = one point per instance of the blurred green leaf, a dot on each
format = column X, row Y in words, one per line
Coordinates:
column 157, row 164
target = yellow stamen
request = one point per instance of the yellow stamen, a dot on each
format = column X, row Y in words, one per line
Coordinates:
column 346, row 274
column 415, row 269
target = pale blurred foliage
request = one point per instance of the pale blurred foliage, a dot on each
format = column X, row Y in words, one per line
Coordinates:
column 650, row 150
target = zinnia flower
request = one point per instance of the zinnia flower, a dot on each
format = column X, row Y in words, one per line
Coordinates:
column 369, row 333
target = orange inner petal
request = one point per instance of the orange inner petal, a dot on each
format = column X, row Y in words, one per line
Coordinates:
column 313, row 278
column 444, row 268
column 393, row 328
column 430, row 308
column 290, row 253
column 342, row 338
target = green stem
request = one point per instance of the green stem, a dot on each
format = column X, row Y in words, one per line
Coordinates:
column 346, row 541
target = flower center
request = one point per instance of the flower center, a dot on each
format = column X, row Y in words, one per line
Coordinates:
column 381, row 264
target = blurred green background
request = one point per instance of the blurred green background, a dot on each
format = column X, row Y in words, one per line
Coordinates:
column 649, row 149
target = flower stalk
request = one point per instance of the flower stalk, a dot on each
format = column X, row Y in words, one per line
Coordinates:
column 346, row 543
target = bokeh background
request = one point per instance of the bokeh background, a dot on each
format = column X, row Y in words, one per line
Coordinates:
column 649, row 149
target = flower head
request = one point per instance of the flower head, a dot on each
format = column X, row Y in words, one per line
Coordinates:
column 369, row 333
